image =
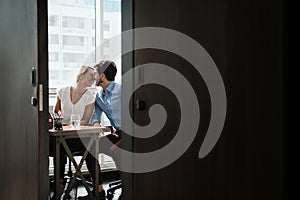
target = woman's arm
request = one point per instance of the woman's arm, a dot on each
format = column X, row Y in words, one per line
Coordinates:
column 87, row 114
column 57, row 106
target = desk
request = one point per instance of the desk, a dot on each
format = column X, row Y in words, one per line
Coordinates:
column 92, row 136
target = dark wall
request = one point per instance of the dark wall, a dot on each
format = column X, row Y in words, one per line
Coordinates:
column 244, row 38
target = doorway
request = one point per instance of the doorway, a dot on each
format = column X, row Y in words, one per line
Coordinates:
column 79, row 34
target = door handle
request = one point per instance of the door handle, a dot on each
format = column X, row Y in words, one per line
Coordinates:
column 34, row 101
column 140, row 104
column 33, row 77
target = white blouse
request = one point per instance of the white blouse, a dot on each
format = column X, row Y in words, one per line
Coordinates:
column 68, row 108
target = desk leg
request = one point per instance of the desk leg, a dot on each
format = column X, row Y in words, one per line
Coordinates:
column 77, row 167
column 57, row 168
column 96, row 167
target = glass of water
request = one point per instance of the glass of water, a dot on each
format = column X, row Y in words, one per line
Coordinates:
column 75, row 121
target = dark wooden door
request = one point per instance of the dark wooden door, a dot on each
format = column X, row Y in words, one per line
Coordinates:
column 23, row 138
column 244, row 39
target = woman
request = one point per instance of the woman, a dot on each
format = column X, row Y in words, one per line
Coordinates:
column 76, row 99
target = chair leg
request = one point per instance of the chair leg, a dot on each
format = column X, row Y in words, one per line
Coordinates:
column 76, row 189
column 109, row 196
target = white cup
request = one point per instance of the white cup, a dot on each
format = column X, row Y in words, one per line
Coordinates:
column 75, row 121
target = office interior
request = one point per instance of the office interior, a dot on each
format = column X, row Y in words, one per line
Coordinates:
column 246, row 41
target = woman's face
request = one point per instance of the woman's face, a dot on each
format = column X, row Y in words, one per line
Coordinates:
column 89, row 77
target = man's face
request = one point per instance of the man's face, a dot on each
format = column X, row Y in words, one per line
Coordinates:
column 99, row 78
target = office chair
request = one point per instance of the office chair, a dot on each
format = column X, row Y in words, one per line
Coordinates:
column 113, row 186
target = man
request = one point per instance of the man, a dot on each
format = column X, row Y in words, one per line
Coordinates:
column 108, row 100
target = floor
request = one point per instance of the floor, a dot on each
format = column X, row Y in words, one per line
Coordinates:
column 81, row 191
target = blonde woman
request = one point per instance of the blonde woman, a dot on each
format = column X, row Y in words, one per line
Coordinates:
column 77, row 99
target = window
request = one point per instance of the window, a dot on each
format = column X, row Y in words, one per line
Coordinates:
column 53, row 20
column 54, row 39
column 89, row 2
column 73, row 22
column 72, row 58
column 54, row 74
column 106, row 25
column 53, row 56
column 75, row 32
column 93, row 24
column 73, row 40
column 106, row 44
column 67, row 75
column 93, row 41
column 76, row 28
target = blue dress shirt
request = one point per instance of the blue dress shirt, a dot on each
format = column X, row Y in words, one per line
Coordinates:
column 109, row 102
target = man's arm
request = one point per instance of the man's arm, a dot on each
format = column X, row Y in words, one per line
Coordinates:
column 94, row 121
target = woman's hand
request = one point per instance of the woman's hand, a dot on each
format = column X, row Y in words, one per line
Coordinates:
column 97, row 124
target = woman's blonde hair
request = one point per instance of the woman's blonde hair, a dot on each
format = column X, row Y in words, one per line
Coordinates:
column 82, row 70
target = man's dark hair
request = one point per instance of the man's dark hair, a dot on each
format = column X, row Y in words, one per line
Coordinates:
column 107, row 67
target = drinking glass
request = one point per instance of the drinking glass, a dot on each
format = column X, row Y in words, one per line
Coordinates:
column 75, row 121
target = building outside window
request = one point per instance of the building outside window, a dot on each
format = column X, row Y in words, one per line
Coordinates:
column 53, row 39
column 73, row 40
column 106, row 25
column 53, row 20
column 53, row 57
column 73, row 22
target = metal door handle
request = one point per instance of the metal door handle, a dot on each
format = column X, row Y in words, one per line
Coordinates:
column 33, row 77
column 34, row 101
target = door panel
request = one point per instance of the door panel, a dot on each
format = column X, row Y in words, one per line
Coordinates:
column 19, row 121
column 244, row 40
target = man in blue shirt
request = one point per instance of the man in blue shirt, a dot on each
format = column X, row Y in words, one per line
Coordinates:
column 108, row 101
